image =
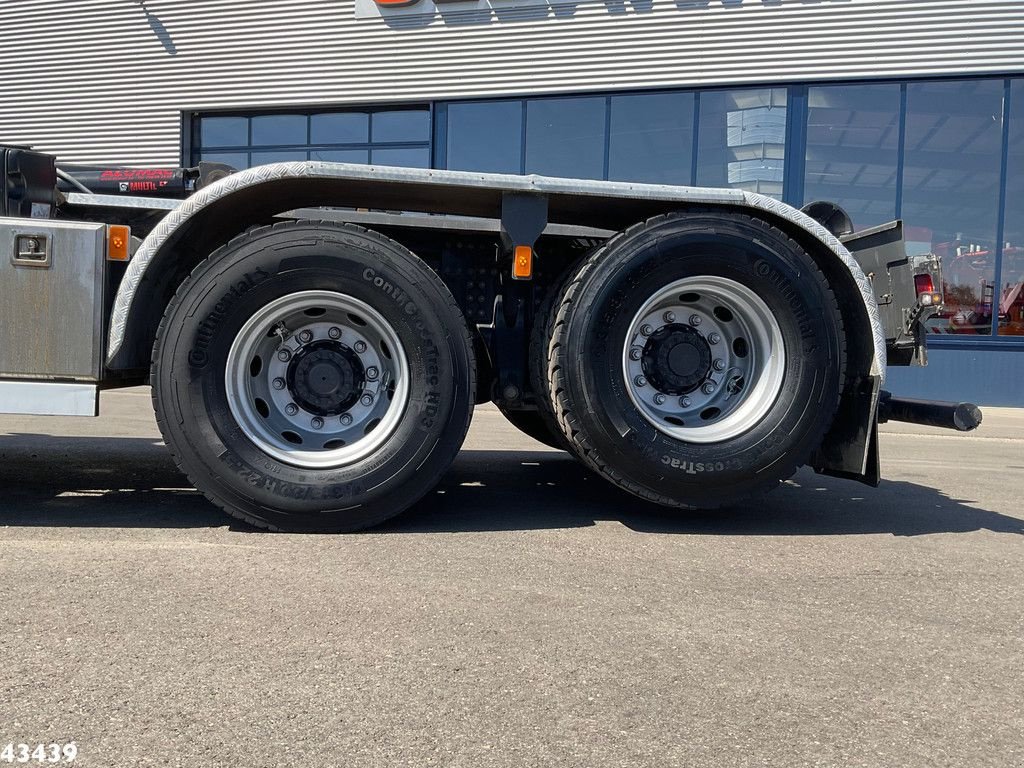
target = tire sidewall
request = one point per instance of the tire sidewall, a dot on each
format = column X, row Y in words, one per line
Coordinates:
column 226, row 292
column 784, row 276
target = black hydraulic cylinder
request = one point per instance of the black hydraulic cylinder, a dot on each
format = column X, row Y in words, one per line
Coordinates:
column 962, row 417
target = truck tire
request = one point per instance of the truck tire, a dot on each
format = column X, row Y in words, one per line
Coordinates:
column 312, row 376
column 697, row 358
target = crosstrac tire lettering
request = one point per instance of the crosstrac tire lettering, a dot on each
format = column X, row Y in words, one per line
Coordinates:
column 696, row 467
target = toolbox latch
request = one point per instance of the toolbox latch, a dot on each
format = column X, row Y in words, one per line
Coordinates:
column 31, row 251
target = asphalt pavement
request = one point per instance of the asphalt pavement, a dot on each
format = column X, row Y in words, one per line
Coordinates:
column 525, row 614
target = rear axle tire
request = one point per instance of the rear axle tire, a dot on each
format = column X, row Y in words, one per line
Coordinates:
column 696, row 358
column 313, row 376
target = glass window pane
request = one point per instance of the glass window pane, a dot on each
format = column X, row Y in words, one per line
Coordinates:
column 224, row 132
column 340, row 128
column 852, row 150
column 341, row 155
column 278, row 156
column 951, row 193
column 279, row 129
column 651, row 138
column 401, row 125
column 237, row 160
column 1011, row 293
column 417, row 157
column 566, row 137
column 486, row 137
column 741, row 140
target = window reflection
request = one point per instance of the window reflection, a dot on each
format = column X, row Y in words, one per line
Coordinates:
column 742, row 138
column 852, row 150
column 224, row 131
column 651, row 138
column 274, row 130
column 486, row 136
column 1011, row 289
column 400, row 137
column 566, row 137
column 951, row 194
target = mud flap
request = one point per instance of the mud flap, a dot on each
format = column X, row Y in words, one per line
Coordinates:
column 850, row 448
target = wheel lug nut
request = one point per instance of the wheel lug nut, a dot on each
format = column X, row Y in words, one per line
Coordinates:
column 291, row 409
column 670, row 317
column 708, row 388
column 684, row 402
column 284, row 355
column 360, row 347
column 346, row 419
column 636, row 353
column 719, row 365
column 372, row 373
column 640, row 381
column 714, row 338
column 334, row 333
column 367, row 399
column 659, row 399
column 695, row 320
column 317, row 423
column 279, row 384
column 646, row 330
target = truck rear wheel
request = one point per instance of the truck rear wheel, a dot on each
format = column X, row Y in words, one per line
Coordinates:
column 697, row 358
column 313, row 377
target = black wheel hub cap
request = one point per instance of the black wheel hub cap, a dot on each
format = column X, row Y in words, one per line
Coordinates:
column 326, row 378
column 676, row 359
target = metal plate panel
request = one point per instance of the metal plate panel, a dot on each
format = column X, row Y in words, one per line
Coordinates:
column 105, row 81
column 46, row 398
column 51, row 316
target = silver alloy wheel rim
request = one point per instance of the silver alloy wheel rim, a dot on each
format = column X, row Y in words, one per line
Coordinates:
column 297, row 434
column 748, row 359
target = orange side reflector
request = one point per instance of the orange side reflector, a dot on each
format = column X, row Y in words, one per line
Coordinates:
column 119, row 240
column 522, row 263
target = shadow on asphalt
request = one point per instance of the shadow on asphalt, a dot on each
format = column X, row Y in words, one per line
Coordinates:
column 132, row 482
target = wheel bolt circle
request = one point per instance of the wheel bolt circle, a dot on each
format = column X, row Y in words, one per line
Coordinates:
column 659, row 399
column 291, row 409
column 367, row 399
column 695, row 320
column 306, row 336
column 685, row 402
column 360, row 347
column 708, row 388
column 670, row 317
column 372, row 373
column 279, row 384
column 346, row 419
column 646, row 330
column 719, row 365
column 714, row 338
column 636, row 353
column 334, row 333
column 317, row 423
column 284, row 355
column 640, row 381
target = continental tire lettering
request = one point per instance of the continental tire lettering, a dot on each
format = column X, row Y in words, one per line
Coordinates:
column 401, row 298
column 790, row 295
column 198, row 357
column 698, row 467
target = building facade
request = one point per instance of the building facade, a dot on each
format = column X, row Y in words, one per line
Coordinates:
column 892, row 108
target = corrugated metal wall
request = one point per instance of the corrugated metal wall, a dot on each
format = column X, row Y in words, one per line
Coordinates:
column 106, row 80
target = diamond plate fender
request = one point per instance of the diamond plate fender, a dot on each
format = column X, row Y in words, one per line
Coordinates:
column 601, row 204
